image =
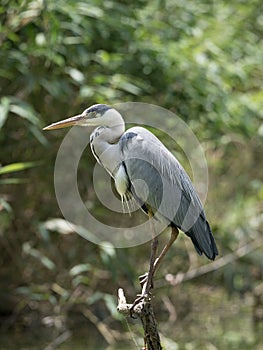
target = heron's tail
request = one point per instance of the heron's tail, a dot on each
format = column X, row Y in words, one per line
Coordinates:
column 202, row 238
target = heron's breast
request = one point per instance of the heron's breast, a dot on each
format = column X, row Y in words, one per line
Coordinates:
column 121, row 181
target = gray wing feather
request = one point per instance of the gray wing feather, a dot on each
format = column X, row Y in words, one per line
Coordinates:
column 165, row 186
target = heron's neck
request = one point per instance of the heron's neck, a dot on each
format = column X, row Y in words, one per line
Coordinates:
column 110, row 135
column 104, row 145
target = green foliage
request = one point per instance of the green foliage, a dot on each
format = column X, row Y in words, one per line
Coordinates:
column 15, row 167
column 202, row 60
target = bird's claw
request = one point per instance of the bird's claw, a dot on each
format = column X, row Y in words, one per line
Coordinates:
column 140, row 299
column 143, row 278
column 146, row 292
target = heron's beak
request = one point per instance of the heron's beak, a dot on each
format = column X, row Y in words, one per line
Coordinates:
column 65, row 123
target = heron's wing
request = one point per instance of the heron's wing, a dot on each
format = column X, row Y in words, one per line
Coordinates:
column 159, row 181
column 146, row 158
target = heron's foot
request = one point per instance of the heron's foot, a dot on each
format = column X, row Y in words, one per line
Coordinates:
column 138, row 303
column 146, row 286
column 144, row 280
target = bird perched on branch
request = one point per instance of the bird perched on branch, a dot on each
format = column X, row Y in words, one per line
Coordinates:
column 165, row 192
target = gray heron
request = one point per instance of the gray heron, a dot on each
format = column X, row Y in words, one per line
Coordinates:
column 138, row 154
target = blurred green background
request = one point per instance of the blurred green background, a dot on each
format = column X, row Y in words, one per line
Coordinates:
column 199, row 59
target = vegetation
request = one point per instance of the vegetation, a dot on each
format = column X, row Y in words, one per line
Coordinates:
column 201, row 60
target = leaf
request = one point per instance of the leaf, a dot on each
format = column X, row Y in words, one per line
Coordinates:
column 75, row 74
column 94, row 298
column 59, row 225
column 80, row 279
column 5, row 205
column 38, row 135
column 11, row 168
column 4, row 109
column 30, row 293
column 44, row 260
column 66, row 227
column 121, row 82
column 107, row 253
column 79, row 269
column 88, row 10
column 108, row 249
column 24, row 111
column 110, row 302
column 13, row 181
column 23, row 290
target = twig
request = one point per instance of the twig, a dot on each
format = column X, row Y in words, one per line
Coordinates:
column 102, row 328
column 144, row 311
column 123, row 307
column 215, row 265
column 59, row 340
column 142, row 305
column 151, row 335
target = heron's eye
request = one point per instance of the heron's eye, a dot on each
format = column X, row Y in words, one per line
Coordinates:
column 92, row 115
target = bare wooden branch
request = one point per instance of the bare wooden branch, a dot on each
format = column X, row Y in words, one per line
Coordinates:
column 143, row 310
column 215, row 265
column 59, row 340
column 102, row 328
column 123, row 307
column 142, row 306
column 151, row 335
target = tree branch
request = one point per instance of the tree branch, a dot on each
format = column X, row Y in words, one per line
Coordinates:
column 215, row 265
column 144, row 310
column 142, row 305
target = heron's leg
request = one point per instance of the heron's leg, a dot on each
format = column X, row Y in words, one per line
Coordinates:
column 154, row 264
column 147, row 285
column 174, row 235
column 146, row 280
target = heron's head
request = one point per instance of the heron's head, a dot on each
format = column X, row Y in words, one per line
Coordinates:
column 96, row 115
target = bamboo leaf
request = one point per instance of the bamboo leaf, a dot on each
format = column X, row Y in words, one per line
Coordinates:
column 75, row 270
column 13, row 181
column 24, row 112
column 4, row 108
column 5, row 205
column 14, row 167
column 35, row 253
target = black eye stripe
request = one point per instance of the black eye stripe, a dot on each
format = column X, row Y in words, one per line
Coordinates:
column 99, row 108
